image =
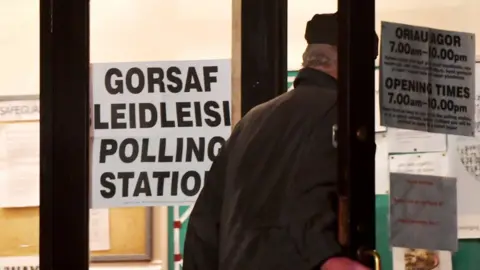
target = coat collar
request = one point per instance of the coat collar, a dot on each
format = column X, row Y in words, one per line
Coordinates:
column 313, row 77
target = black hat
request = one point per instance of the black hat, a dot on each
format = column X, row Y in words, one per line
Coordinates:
column 323, row 29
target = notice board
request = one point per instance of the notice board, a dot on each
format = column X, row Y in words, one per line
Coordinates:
column 130, row 234
column 130, row 229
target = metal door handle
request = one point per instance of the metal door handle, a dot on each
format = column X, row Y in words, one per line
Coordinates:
column 362, row 253
column 334, row 136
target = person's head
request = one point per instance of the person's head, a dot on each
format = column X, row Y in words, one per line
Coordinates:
column 321, row 35
column 322, row 57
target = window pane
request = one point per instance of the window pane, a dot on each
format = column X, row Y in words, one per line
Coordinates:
column 396, row 148
column 19, row 133
column 152, row 31
column 443, row 157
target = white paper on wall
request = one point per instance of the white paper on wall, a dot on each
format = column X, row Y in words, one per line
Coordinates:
column 19, row 153
column 424, row 164
column 99, row 229
column 408, row 141
column 155, row 136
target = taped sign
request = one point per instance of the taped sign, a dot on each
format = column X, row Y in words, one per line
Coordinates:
column 422, row 207
column 427, row 79
column 157, row 126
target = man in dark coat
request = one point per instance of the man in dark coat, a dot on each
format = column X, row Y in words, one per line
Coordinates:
column 269, row 201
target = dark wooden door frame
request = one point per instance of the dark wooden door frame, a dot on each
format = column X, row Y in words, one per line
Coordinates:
column 356, row 140
column 263, row 51
column 64, row 126
column 263, row 69
column 64, row 134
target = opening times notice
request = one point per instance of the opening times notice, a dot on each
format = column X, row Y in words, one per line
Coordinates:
column 427, row 79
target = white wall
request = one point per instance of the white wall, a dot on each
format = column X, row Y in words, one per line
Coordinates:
column 146, row 30
column 19, row 47
column 138, row 30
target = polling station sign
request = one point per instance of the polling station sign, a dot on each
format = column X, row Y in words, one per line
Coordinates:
column 427, row 79
column 157, row 126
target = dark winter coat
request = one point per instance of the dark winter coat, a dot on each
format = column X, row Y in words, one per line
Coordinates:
column 269, row 201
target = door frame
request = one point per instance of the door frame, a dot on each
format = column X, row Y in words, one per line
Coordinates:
column 64, row 117
column 64, row 134
column 356, row 126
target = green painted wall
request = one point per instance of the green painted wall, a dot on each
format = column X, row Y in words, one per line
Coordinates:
column 467, row 258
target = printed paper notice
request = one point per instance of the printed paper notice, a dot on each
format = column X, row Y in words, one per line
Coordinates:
column 157, row 126
column 427, row 79
column 408, row 141
column 424, row 164
column 99, row 229
column 19, row 154
column 423, row 207
column 419, row 259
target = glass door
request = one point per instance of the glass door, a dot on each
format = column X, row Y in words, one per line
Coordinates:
column 434, row 154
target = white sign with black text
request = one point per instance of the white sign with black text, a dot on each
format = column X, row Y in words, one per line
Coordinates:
column 156, row 128
column 427, row 79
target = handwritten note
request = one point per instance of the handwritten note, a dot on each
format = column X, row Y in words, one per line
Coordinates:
column 477, row 107
column 464, row 163
column 99, row 229
column 423, row 207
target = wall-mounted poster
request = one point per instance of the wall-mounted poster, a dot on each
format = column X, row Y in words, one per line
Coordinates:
column 157, row 126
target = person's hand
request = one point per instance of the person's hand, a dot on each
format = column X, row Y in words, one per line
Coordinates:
column 342, row 263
